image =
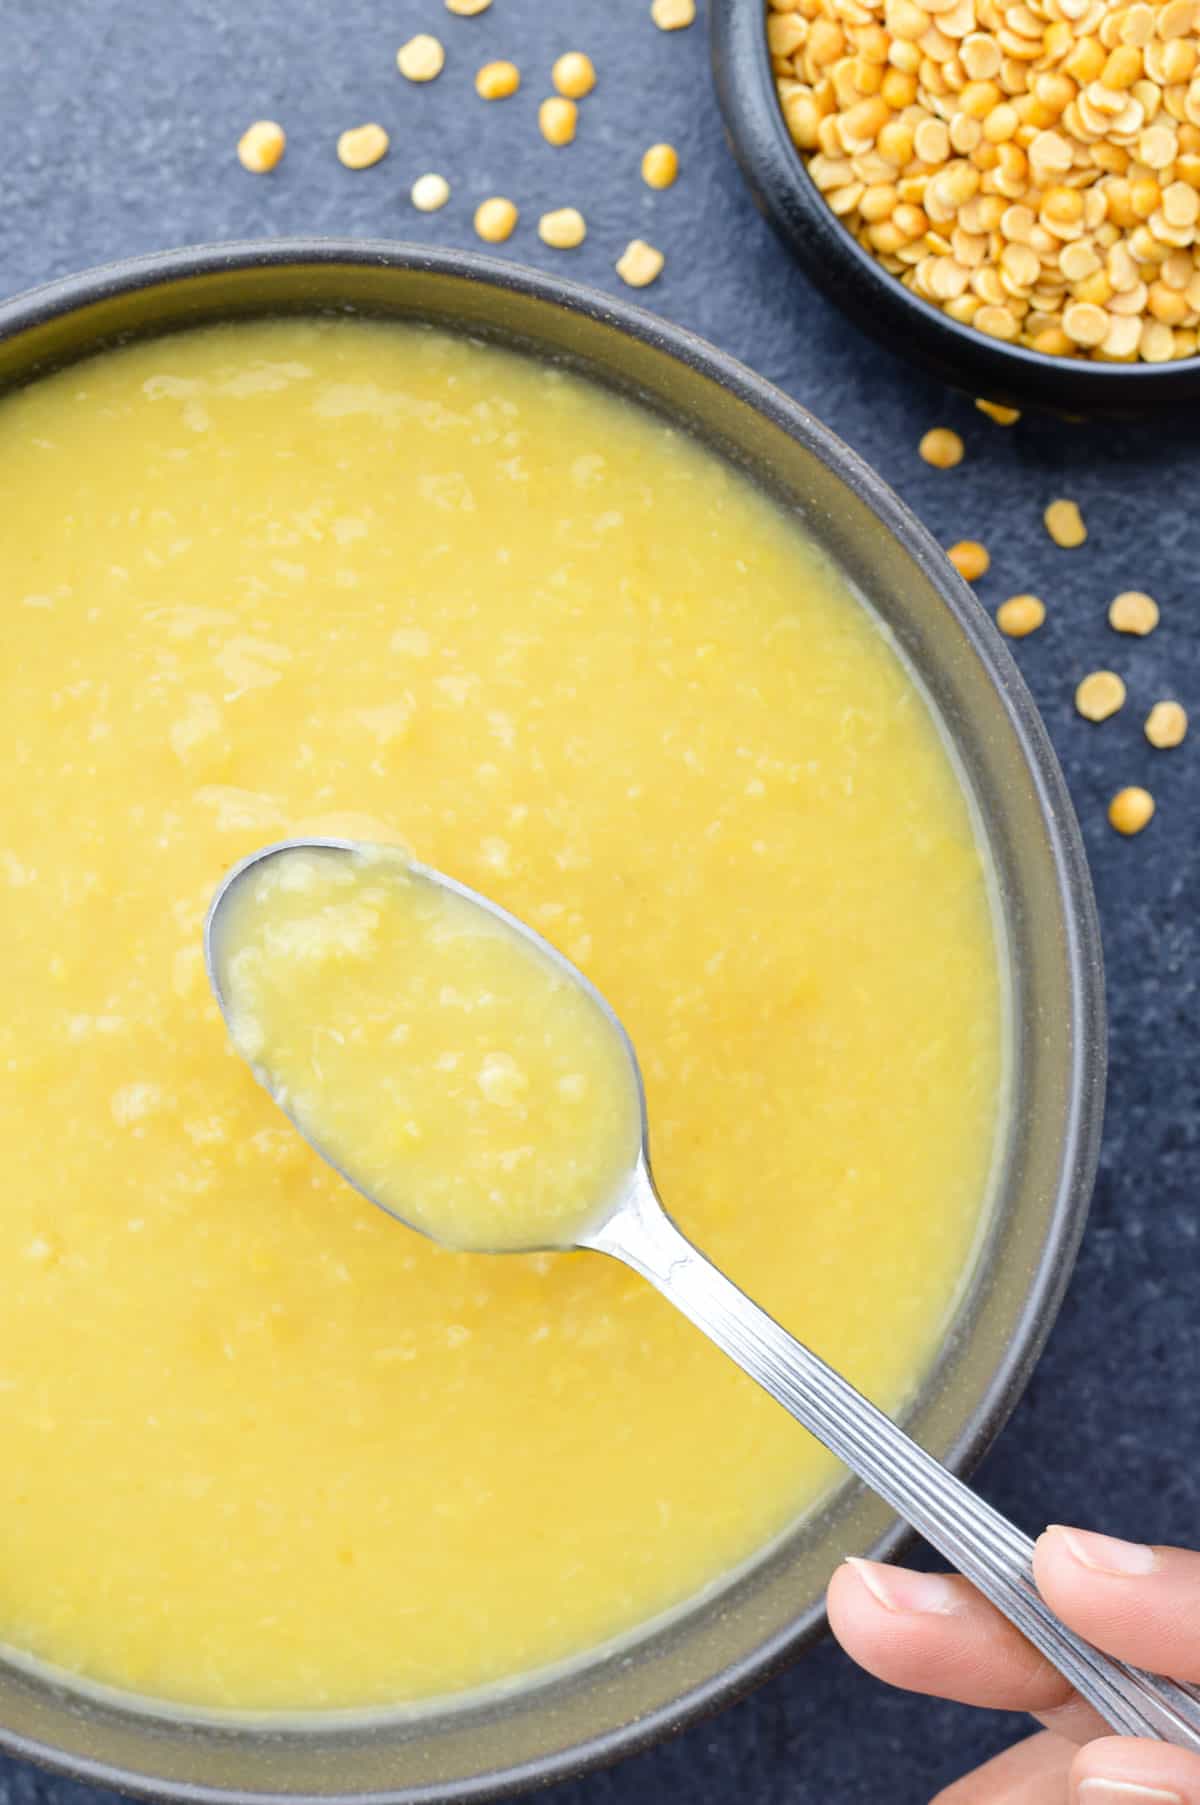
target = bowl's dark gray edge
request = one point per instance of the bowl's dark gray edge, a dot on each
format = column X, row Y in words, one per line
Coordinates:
column 880, row 304
column 1082, row 1144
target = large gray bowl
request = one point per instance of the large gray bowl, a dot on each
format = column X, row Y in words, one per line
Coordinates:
column 713, row 1651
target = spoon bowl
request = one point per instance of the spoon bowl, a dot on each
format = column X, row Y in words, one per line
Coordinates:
column 627, row 1221
column 217, row 926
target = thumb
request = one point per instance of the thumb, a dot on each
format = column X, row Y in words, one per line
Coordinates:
column 1138, row 1603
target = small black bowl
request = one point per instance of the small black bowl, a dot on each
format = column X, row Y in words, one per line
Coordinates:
column 851, row 278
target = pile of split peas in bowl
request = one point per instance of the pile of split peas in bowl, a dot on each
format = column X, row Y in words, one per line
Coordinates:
column 1031, row 167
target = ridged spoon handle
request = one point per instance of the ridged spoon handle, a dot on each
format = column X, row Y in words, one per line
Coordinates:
column 980, row 1543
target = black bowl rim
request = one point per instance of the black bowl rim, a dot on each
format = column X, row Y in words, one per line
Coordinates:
column 1081, row 930
column 876, row 300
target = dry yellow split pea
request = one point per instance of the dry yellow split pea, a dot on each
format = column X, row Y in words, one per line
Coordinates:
column 1003, row 416
column 1131, row 809
column 495, row 219
column 942, row 448
column 496, row 81
column 562, row 229
column 422, row 58
column 970, row 559
column 574, row 74
column 1031, row 167
column 673, row 15
column 1100, row 695
column 1133, row 612
column 1064, row 523
column 660, row 166
column 1020, row 615
column 261, row 145
column 557, row 119
column 1166, row 725
column 362, row 145
column 640, row 264
column 467, row 9
column 429, row 192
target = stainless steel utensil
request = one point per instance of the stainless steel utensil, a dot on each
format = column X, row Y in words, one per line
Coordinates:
column 636, row 1229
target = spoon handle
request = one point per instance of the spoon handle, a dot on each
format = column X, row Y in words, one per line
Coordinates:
column 994, row 1555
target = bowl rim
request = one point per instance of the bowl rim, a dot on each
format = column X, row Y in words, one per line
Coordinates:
column 1084, row 1084
column 876, row 300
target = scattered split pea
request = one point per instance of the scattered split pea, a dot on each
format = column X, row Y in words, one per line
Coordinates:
column 1100, row 695
column 1003, row 416
column 362, row 146
column 640, row 264
column 942, row 448
column 1020, row 615
column 557, row 119
column 1166, row 725
column 660, row 166
column 467, row 9
column 562, row 229
column 1131, row 810
column 261, row 145
column 970, row 559
column 422, row 58
column 496, row 81
column 1064, row 523
column 429, row 192
column 495, row 219
column 574, row 74
column 673, row 15
column 1133, row 612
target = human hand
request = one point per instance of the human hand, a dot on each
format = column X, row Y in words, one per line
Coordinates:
column 935, row 1633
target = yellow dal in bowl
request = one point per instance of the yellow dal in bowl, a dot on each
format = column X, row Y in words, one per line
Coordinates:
column 262, row 1447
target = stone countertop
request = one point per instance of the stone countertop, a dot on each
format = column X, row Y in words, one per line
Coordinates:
column 117, row 128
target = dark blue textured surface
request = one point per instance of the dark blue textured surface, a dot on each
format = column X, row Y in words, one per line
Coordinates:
column 117, row 125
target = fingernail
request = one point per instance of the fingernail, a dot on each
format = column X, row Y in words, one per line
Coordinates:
column 1124, row 1792
column 900, row 1589
column 1105, row 1554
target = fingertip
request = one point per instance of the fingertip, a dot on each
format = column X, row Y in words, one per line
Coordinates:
column 1101, row 1586
column 1128, row 1770
column 841, row 1578
column 1061, row 1548
column 903, row 1589
column 1137, row 1602
column 851, row 1606
column 869, row 1597
column 861, row 1622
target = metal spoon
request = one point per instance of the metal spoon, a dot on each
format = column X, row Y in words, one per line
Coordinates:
column 994, row 1555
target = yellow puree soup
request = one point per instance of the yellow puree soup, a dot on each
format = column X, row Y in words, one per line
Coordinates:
column 441, row 1059
column 262, row 1446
